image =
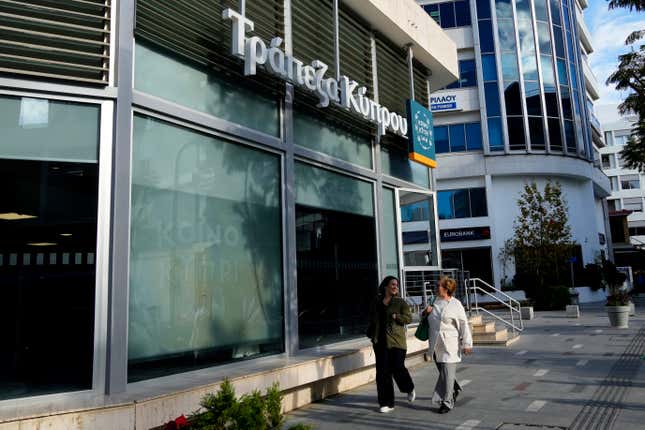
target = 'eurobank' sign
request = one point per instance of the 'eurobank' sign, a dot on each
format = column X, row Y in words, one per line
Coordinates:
column 420, row 134
column 343, row 92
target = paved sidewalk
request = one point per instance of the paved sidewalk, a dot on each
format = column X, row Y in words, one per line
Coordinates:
column 563, row 373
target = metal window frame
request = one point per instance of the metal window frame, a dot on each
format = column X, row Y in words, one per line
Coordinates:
column 101, row 258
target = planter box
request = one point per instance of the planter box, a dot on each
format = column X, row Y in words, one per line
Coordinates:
column 573, row 311
column 526, row 312
column 618, row 316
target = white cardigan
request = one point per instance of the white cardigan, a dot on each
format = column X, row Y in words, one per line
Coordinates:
column 449, row 332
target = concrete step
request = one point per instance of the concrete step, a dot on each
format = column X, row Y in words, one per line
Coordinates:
column 507, row 342
column 498, row 335
column 486, row 327
column 476, row 320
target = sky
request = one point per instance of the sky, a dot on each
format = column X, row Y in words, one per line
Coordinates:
column 609, row 29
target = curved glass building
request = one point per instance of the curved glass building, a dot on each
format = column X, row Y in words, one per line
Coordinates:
column 522, row 111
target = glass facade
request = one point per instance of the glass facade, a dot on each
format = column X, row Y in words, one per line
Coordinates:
column 467, row 75
column 458, row 137
column 541, row 106
column 463, row 203
column 450, row 14
column 163, row 227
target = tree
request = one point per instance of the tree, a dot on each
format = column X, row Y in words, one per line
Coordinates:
column 541, row 244
column 630, row 76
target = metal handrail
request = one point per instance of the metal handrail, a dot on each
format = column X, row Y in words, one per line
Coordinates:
column 513, row 305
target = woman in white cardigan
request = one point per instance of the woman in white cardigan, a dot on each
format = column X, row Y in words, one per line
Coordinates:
column 449, row 337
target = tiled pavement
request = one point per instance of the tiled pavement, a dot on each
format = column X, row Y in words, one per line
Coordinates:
column 563, row 373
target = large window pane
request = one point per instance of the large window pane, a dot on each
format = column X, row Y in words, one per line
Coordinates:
column 510, row 71
column 483, row 9
column 478, row 202
column 444, row 205
column 330, row 258
column 506, row 35
column 441, row 141
column 447, row 12
column 492, row 99
column 457, row 138
column 48, row 227
column 486, row 40
column 163, row 75
column 48, row 130
column 533, row 102
column 512, row 98
column 205, row 264
column 324, row 137
column 536, row 132
column 516, row 133
column 555, row 137
column 495, row 137
column 396, row 162
column 489, row 67
column 474, row 136
column 461, row 203
column 462, row 13
column 467, row 73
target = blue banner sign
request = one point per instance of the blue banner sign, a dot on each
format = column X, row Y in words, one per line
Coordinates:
column 420, row 134
column 443, row 103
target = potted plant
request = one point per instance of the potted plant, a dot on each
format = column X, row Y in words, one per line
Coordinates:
column 618, row 299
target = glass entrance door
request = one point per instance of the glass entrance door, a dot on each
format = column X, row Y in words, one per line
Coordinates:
column 418, row 230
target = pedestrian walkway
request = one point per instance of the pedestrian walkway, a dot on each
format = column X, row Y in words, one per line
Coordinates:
column 562, row 374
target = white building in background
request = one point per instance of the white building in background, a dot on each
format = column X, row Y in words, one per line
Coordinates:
column 627, row 185
column 521, row 112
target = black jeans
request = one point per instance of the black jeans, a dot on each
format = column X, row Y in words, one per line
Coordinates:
column 390, row 363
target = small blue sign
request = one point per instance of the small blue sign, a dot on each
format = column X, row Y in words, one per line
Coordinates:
column 443, row 106
column 420, row 134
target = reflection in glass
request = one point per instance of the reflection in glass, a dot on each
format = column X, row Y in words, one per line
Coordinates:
column 396, row 162
column 506, row 35
column 533, row 103
column 162, row 74
column 510, row 71
column 513, row 98
column 548, row 74
column 559, row 41
column 337, row 274
column 516, row 133
column 541, row 13
column 323, row 136
column 569, row 135
column 536, row 131
column 544, row 37
column 205, row 261
column 462, row 13
column 48, row 202
column 474, row 136
column 555, row 11
column 441, row 142
column 555, row 137
column 503, row 8
column 551, row 98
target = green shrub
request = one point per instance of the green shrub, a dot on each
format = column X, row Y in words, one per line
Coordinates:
column 555, row 297
column 223, row 411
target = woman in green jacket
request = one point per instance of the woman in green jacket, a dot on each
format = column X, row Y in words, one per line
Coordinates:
column 388, row 316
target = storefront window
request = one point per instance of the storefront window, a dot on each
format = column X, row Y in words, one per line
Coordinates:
column 164, row 75
column 205, row 264
column 395, row 162
column 336, row 255
column 323, row 137
column 48, row 227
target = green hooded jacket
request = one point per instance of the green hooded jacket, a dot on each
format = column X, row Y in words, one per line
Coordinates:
column 395, row 329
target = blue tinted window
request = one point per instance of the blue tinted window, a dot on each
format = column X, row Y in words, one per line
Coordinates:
column 503, row 8
column 453, row 85
column 540, row 10
column 559, row 41
column 460, row 203
column 412, row 237
column 483, row 9
column 489, row 67
column 478, row 202
column 457, row 138
column 474, row 136
column 566, row 102
column 551, row 99
column 495, row 138
column 444, row 204
column 441, row 139
column 512, row 98
column 433, row 11
column 570, row 136
column 562, row 72
column 486, row 41
column 536, row 132
column 555, row 138
column 492, row 99
column 447, row 14
column 419, row 211
column 467, row 73
column 462, row 13
column 510, row 71
column 516, row 133
column 555, row 11
column 533, row 102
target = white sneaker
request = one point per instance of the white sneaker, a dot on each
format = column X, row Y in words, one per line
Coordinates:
column 385, row 409
column 412, row 395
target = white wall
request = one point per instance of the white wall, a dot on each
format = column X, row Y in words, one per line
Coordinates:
column 503, row 196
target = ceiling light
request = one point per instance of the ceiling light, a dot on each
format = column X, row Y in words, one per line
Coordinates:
column 41, row 244
column 66, row 234
column 13, row 216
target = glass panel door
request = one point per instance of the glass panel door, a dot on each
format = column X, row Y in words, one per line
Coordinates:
column 418, row 232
